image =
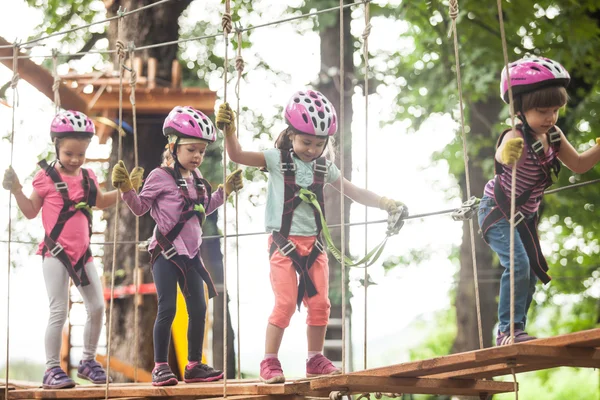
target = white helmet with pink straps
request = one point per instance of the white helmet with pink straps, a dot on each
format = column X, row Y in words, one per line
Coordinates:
column 308, row 111
column 532, row 73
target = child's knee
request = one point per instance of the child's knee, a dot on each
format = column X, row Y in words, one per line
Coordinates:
column 282, row 313
column 318, row 311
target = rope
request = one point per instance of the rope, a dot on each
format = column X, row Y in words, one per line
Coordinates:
column 342, row 198
column 13, row 85
column 173, row 42
column 453, row 14
column 120, row 55
column 226, row 25
column 513, row 180
column 119, row 15
column 136, row 269
column 239, row 67
column 56, row 83
column 365, row 36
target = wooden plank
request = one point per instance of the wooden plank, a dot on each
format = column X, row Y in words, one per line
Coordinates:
column 158, row 100
column 587, row 338
column 370, row 384
column 209, row 389
column 40, row 78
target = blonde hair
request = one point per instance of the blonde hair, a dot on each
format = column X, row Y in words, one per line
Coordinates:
column 167, row 157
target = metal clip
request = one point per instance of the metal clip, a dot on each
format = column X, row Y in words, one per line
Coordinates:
column 319, row 246
column 287, row 249
column 467, row 210
column 554, row 136
column 169, row 253
column 396, row 221
column 519, row 217
column 537, row 147
column 181, row 182
column 322, row 168
column 60, row 186
column 291, row 166
column 56, row 250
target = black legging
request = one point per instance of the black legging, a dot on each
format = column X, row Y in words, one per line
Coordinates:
column 166, row 276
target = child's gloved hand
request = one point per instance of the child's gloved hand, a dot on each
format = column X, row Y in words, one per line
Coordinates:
column 390, row 205
column 512, row 151
column 136, row 178
column 11, row 181
column 121, row 178
column 598, row 141
column 233, row 182
column 226, row 119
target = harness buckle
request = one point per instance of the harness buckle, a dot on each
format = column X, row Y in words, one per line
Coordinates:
column 554, row 136
column 519, row 216
column 322, row 168
column 285, row 167
column 181, row 182
column 537, row 147
column 60, row 186
column 169, row 253
column 319, row 246
column 56, row 250
column 287, row 249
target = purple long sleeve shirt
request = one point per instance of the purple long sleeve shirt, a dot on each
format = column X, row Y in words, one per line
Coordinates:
column 163, row 198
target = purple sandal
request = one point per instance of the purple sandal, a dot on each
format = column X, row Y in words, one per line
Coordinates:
column 56, row 378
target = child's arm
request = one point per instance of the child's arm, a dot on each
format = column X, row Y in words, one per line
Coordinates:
column 226, row 121
column 576, row 162
column 106, row 199
column 29, row 206
column 366, row 197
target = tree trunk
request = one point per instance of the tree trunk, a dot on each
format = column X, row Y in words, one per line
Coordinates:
column 483, row 118
column 330, row 59
column 154, row 25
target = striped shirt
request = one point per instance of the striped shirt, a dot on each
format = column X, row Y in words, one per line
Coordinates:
column 531, row 175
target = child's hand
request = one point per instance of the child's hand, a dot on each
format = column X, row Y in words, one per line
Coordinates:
column 390, row 205
column 136, row 178
column 512, row 151
column 120, row 177
column 226, row 119
column 233, row 182
column 11, row 181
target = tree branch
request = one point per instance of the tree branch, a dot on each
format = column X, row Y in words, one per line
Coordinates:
column 88, row 45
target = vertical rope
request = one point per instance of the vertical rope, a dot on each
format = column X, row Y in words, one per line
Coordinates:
column 342, row 214
column 513, row 180
column 512, row 191
column 56, row 83
column 239, row 66
column 13, row 85
column 226, row 24
column 120, row 56
column 136, row 160
column 453, row 14
column 365, row 37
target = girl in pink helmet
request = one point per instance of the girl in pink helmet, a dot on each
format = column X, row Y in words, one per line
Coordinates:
column 299, row 267
column 538, row 147
column 179, row 199
column 65, row 192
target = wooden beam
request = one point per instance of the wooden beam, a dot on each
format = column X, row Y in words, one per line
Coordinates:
column 157, row 100
column 370, row 384
column 42, row 80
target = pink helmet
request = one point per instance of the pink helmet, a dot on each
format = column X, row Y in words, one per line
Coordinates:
column 71, row 123
column 310, row 112
column 528, row 74
column 189, row 122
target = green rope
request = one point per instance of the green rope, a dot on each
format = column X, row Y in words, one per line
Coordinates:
column 369, row 259
column 200, row 208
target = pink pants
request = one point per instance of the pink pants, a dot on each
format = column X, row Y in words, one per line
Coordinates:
column 284, row 281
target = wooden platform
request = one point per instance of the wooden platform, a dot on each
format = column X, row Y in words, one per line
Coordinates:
column 456, row 374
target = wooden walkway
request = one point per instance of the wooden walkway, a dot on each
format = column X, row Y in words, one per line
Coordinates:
column 456, row 374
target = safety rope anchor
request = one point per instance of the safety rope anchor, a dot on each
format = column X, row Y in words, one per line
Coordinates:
column 467, row 210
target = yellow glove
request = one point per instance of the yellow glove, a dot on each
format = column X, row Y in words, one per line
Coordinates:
column 136, row 177
column 233, row 182
column 226, row 119
column 390, row 205
column 11, row 181
column 598, row 141
column 512, row 151
column 121, row 178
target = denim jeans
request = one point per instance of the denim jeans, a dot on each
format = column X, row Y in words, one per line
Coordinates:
column 498, row 238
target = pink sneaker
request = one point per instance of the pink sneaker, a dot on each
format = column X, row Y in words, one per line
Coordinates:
column 270, row 371
column 320, row 365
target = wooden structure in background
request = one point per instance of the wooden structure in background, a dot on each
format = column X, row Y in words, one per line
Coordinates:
column 456, row 374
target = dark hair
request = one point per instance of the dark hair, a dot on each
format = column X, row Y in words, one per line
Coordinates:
column 553, row 96
column 283, row 141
